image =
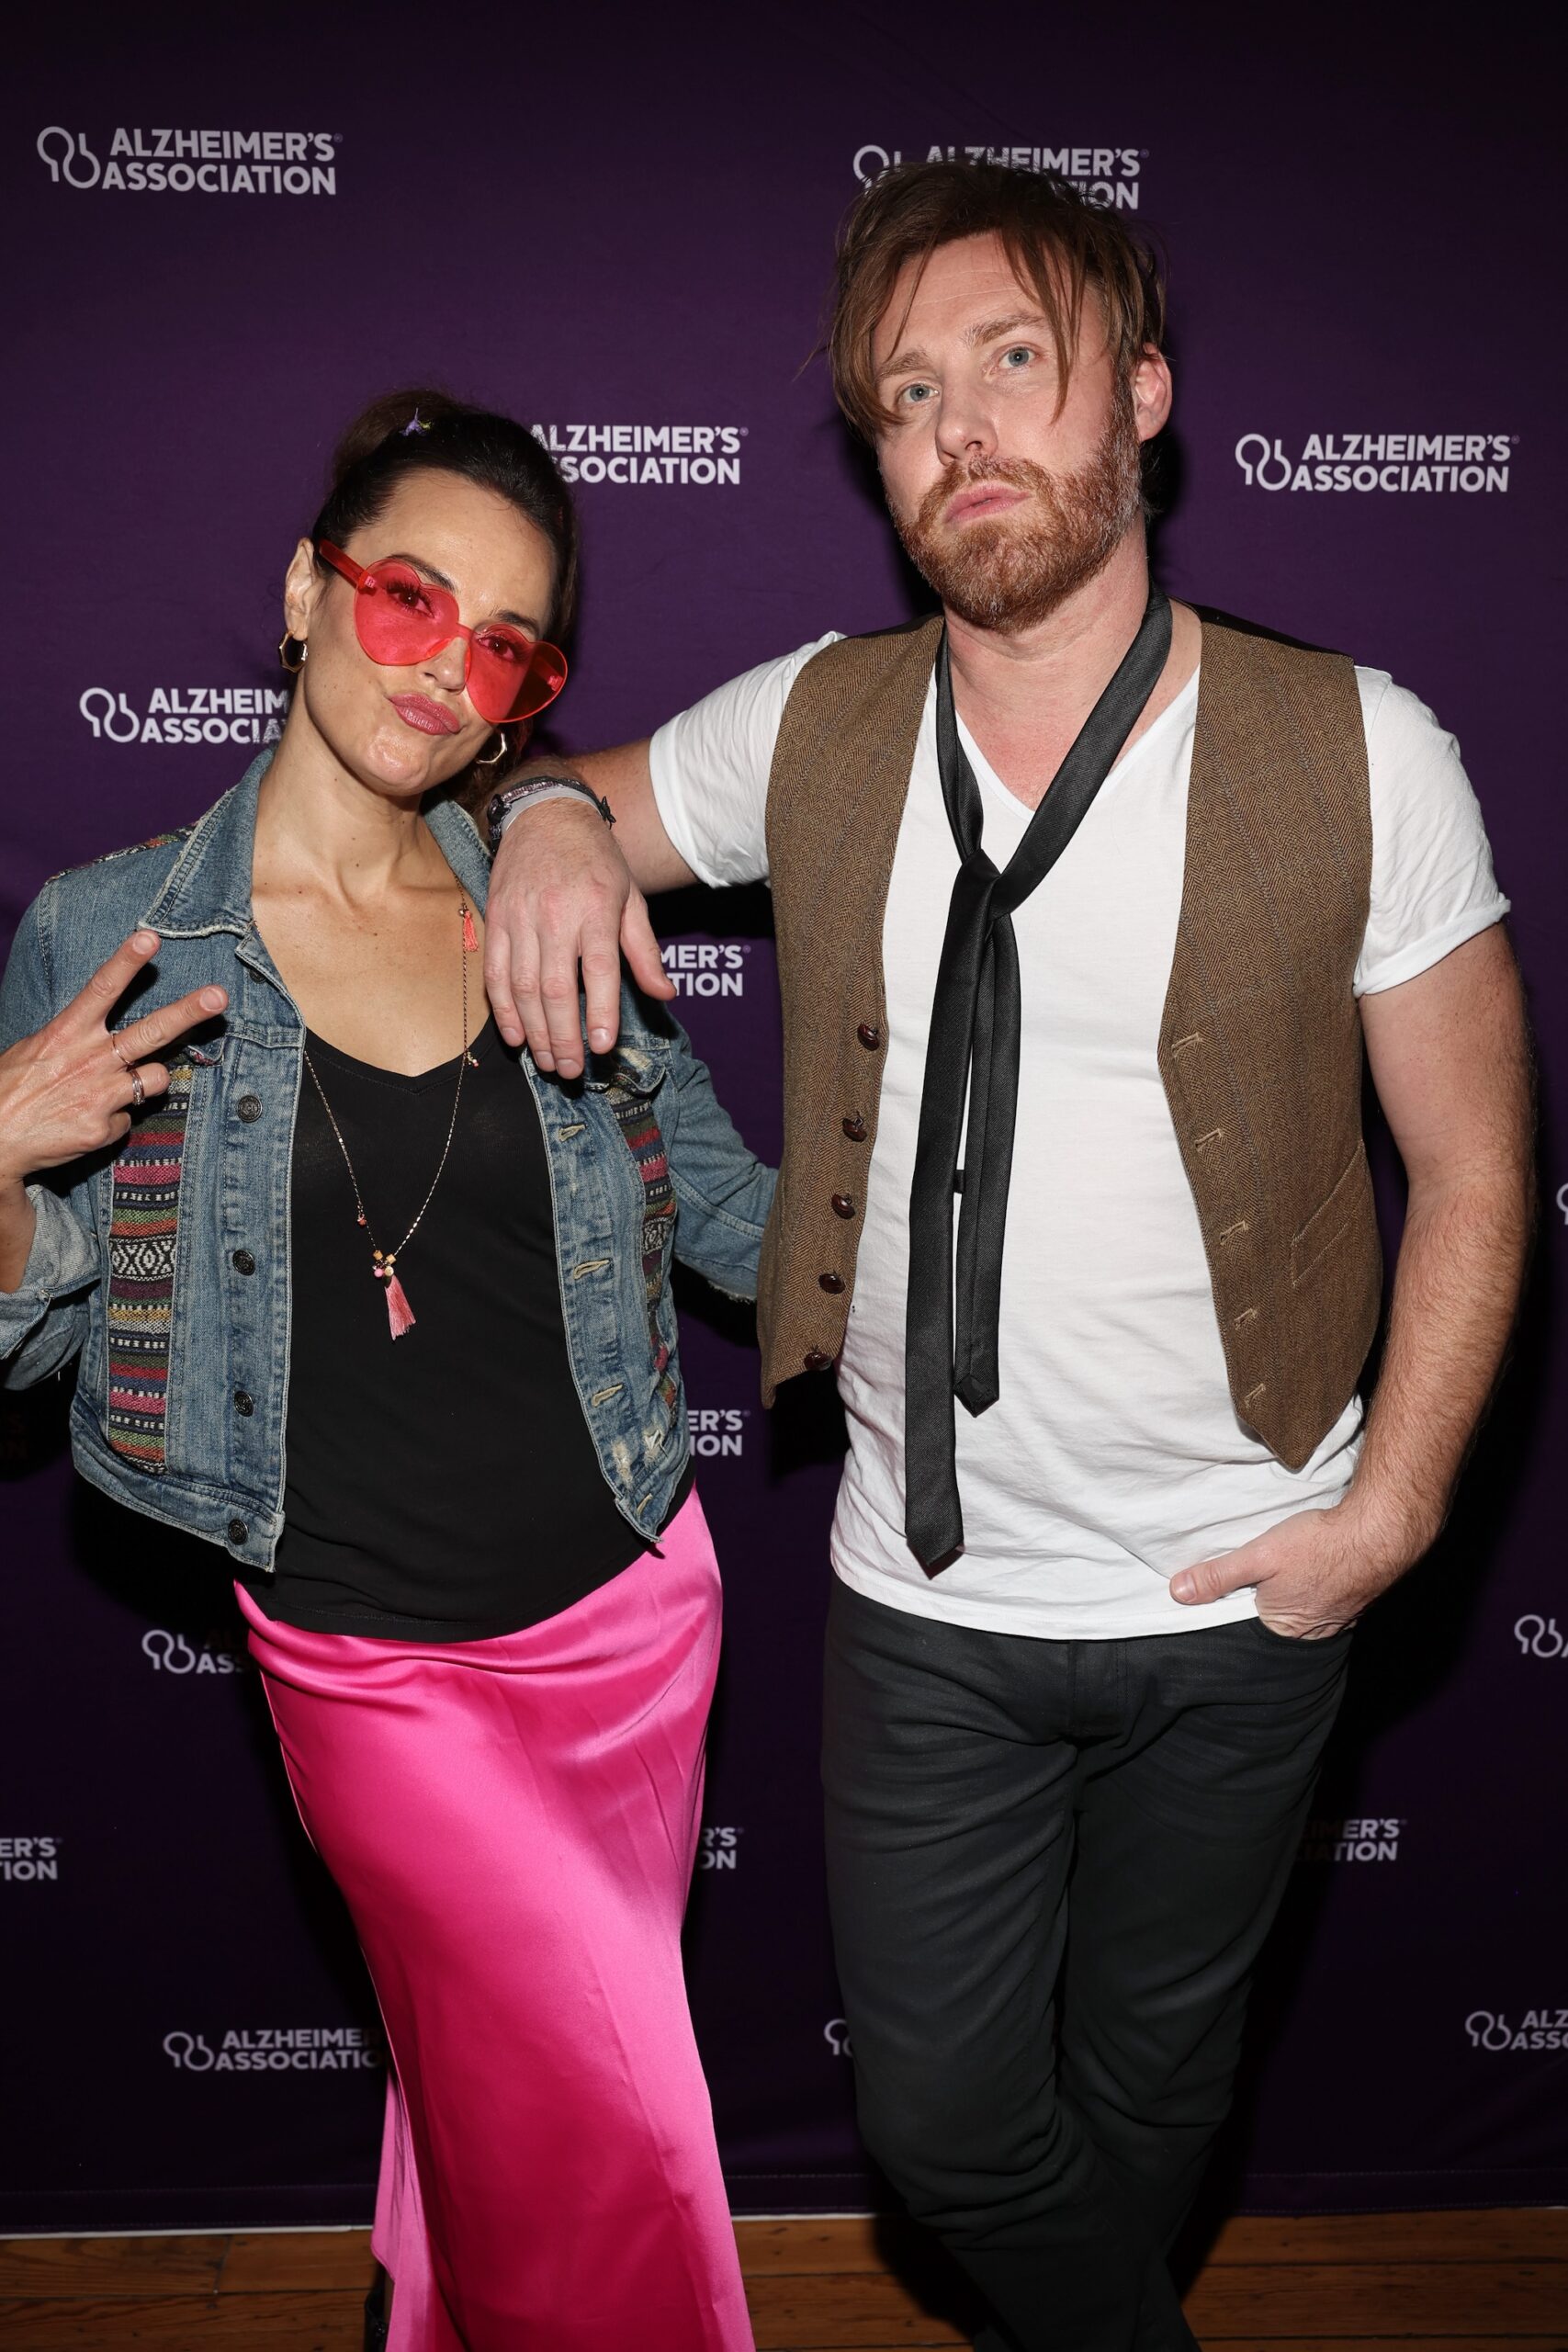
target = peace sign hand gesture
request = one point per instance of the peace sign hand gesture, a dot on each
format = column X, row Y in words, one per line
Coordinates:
column 71, row 1087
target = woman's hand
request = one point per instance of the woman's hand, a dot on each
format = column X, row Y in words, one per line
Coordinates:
column 69, row 1088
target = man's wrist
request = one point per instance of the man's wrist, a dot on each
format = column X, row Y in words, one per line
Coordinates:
column 508, row 803
column 1391, row 1532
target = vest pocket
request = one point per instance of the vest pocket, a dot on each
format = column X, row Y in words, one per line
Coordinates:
column 1347, row 1204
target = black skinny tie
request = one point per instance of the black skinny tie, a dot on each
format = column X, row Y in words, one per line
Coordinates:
column 973, row 1054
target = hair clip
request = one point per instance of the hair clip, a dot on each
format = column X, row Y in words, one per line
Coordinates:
column 416, row 424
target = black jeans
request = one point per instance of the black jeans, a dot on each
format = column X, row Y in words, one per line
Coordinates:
column 1052, row 1865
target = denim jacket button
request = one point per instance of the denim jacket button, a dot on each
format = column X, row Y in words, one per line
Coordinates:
column 249, row 1107
column 243, row 1262
column 244, row 1402
column 239, row 1529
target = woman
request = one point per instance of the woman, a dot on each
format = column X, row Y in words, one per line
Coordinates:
column 376, row 1308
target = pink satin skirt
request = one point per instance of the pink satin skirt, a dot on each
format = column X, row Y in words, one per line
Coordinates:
column 514, row 1824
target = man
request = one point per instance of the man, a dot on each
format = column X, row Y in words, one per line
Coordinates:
column 1084, row 910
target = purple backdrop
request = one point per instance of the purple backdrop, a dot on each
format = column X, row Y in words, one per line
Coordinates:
column 227, row 231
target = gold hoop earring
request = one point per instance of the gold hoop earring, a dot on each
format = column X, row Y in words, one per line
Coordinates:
column 497, row 756
column 283, row 643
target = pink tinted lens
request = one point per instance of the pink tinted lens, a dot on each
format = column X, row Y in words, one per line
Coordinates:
column 511, row 675
column 398, row 617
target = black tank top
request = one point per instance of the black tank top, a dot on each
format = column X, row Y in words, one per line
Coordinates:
column 443, row 1486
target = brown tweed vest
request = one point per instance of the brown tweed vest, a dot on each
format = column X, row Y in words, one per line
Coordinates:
column 1260, row 1041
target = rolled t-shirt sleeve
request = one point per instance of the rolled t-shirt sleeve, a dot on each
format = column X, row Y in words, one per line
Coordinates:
column 1432, row 885
column 710, row 767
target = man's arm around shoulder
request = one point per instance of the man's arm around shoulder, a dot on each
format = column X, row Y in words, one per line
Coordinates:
column 568, row 892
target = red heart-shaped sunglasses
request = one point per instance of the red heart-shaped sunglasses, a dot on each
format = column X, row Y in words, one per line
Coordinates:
column 400, row 619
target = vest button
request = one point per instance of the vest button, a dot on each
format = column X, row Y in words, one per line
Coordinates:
column 842, row 1204
column 244, row 1402
column 854, row 1127
column 249, row 1107
column 243, row 1262
column 239, row 1529
column 870, row 1035
column 816, row 1359
column 831, row 1283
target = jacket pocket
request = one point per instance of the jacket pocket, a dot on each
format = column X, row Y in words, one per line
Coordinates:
column 630, row 1070
column 1347, row 1204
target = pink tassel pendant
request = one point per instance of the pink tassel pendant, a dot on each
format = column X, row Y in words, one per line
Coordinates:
column 470, row 936
column 400, row 1314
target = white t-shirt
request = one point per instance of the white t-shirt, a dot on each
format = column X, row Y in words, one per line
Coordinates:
column 1114, row 1455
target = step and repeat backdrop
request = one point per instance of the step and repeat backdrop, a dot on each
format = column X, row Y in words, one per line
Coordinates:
column 229, row 229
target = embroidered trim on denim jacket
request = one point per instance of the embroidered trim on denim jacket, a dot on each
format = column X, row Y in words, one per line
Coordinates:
column 645, row 1141
column 144, row 1225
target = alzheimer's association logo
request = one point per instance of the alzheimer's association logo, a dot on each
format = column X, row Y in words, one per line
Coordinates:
column 69, row 157
column 1537, row 2030
column 704, row 454
column 706, row 967
column 1539, row 1637
column 1109, row 176
column 169, row 1653
column 186, row 715
column 194, row 162
column 1379, row 461
column 26, row 1859
column 720, row 1849
column 718, row 1431
column 1367, row 1838
column 274, row 2050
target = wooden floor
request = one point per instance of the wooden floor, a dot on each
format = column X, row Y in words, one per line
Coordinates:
column 1425, row 2282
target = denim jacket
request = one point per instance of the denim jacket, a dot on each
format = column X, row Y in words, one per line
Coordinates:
column 165, row 1270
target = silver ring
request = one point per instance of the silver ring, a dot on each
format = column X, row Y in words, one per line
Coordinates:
column 138, row 1092
column 120, row 1058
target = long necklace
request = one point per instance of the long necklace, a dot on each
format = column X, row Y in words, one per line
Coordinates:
column 384, row 1264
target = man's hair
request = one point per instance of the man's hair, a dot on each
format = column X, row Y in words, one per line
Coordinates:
column 1058, row 241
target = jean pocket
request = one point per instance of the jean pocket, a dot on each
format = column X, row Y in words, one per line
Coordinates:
column 1301, row 1641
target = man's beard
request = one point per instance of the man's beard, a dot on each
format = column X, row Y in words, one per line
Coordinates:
column 1015, row 570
